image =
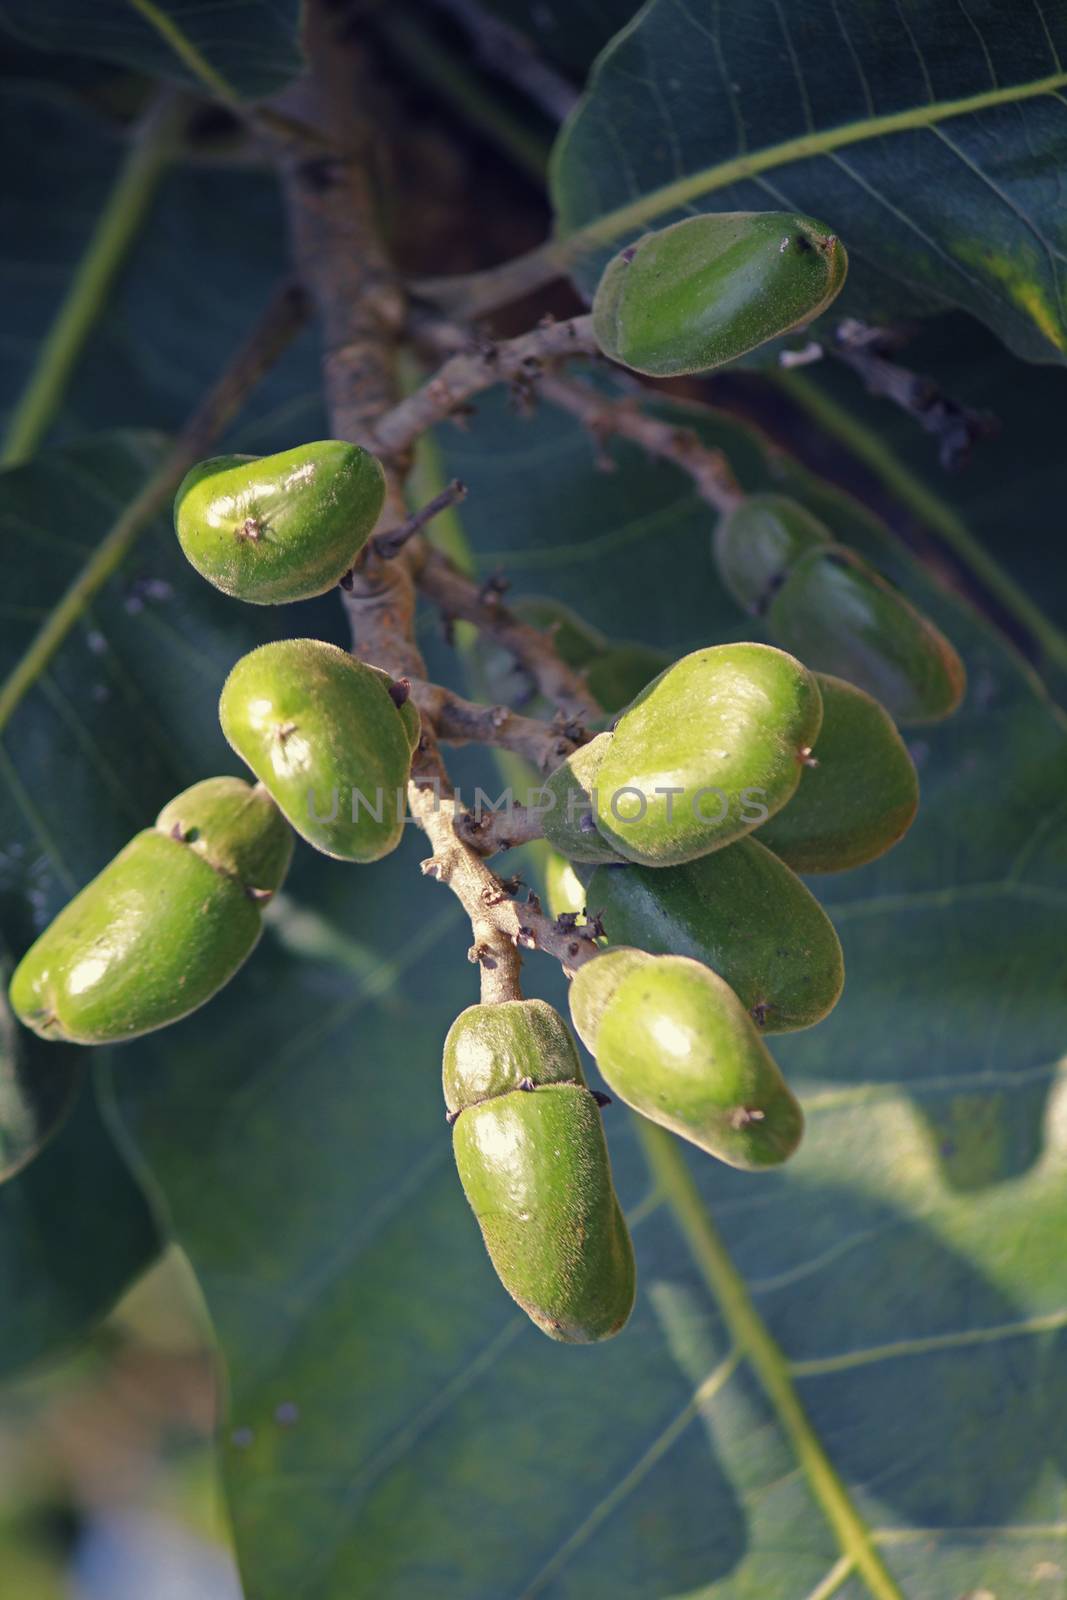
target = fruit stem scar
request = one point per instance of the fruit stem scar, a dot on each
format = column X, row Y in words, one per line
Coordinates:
column 284, row 730
column 743, row 1116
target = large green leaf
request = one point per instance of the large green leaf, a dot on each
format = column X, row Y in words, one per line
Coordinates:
column 184, row 297
column 929, row 133
column 75, row 1230
column 38, row 1085
column 119, row 722
column 395, row 1428
column 240, row 47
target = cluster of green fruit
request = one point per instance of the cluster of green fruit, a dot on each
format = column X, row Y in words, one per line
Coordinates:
column 715, row 940
column 685, row 826
column 170, row 920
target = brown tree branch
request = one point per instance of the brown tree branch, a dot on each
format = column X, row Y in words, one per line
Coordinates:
column 460, row 721
column 459, row 599
column 708, row 467
column 488, row 831
column 393, row 540
column 478, row 367
column 341, row 259
column 502, row 927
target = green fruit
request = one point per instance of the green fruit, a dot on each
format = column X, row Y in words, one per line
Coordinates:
column 859, row 798
column 702, row 292
column 533, row 1162
column 709, row 750
column 675, row 1042
column 594, row 987
column 759, row 541
column 564, row 892
column 320, row 731
column 283, row 527
column 741, row 912
column 164, row 926
column 575, row 641
column 569, row 794
column 409, row 716
column 617, row 675
column 844, row 619
column 401, row 698
column 237, row 829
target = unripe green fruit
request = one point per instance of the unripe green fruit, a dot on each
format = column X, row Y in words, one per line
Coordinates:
column 705, row 291
column 759, row 541
column 844, row 619
column 576, row 641
column 705, row 753
column 401, row 698
column 594, row 987
column 618, row 675
column 743, row 913
column 236, row 828
column 409, row 716
column 675, row 1042
column 283, row 527
column 534, row 1165
column 164, row 926
column 568, row 823
column 858, row 799
column 320, row 731
column 564, row 892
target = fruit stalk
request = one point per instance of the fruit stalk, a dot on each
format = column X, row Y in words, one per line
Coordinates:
column 708, row 468
column 477, row 365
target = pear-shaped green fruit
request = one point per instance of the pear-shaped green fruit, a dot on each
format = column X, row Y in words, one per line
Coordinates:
column 677, row 1045
column 705, row 291
column 576, row 641
column 274, row 528
column 743, row 913
column 564, row 891
column 320, row 731
column 534, row 1165
column 707, row 752
column 844, row 619
column 859, row 797
column 163, row 926
column 570, row 795
column 759, row 541
column 619, row 674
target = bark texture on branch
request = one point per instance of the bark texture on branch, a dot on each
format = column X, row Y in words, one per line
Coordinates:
column 480, row 366
column 458, row 599
column 624, row 419
column 361, row 308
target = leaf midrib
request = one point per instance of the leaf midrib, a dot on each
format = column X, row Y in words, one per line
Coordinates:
column 752, row 1337
column 682, row 191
